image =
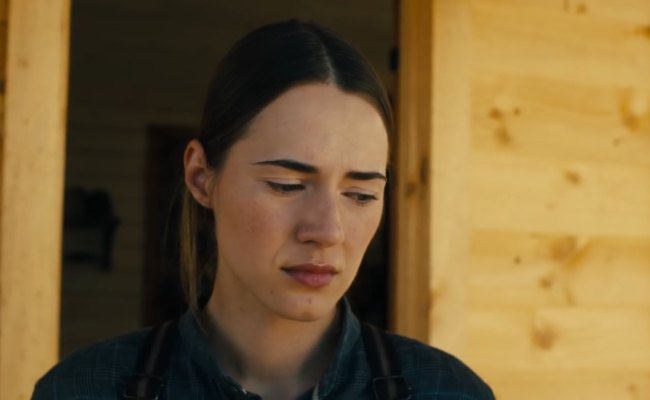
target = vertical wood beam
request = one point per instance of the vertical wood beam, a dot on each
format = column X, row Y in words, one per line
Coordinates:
column 411, row 255
column 450, row 166
column 431, row 204
column 36, row 39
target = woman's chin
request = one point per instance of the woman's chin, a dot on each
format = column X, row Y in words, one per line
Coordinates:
column 306, row 308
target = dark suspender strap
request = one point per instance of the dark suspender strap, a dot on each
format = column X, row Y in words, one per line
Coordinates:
column 146, row 382
column 387, row 380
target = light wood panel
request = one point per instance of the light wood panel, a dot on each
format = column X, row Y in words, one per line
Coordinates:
column 559, row 283
column 540, row 201
column 554, row 196
column 613, row 384
column 562, row 43
column 32, row 165
column 533, row 117
column 532, row 269
column 568, row 339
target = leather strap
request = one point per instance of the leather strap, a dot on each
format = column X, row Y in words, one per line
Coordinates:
column 147, row 380
column 387, row 380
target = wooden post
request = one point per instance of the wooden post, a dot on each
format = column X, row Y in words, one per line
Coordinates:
column 411, row 257
column 431, row 227
column 450, row 165
column 35, row 41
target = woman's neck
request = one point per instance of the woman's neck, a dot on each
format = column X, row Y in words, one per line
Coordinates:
column 267, row 354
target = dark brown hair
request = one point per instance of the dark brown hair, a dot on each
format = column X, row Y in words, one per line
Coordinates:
column 259, row 68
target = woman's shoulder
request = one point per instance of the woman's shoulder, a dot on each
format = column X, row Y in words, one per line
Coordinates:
column 432, row 371
column 97, row 371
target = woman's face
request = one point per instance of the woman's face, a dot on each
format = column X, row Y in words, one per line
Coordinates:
column 297, row 202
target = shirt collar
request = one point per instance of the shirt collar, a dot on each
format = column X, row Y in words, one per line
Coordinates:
column 337, row 373
column 195, row 340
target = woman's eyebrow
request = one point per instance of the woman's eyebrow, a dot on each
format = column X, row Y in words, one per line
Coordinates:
column 290, row 164
column 310, row 169
column 365, row 176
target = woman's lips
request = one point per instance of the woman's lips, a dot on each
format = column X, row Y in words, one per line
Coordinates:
column 314, row 276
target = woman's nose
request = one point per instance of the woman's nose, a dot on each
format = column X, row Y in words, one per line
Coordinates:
column 321, row 223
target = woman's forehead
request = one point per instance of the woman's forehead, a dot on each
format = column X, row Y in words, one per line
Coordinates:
column 319, row 121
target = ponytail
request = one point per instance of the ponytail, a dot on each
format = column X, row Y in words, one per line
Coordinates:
column 197, row 252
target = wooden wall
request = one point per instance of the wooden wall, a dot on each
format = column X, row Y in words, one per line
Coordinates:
column 33, row 95
column 540, row 194
column 137, row 63
column 559, row 288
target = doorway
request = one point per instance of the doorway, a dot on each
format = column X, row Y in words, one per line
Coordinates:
column 135, row 95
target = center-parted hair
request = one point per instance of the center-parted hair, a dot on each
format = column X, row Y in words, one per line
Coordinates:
column 260, row 67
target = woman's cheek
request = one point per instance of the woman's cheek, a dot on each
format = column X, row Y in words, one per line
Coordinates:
column 261, row 221
column 364, row 227
column 240, row 224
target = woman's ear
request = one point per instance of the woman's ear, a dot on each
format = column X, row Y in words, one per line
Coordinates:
column 198, row 174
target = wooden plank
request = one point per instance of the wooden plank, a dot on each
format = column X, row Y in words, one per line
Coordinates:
column 109, row 114
column 113, row 286
column 106, row 140
column 548, row 196
column 450, row 147
column 127, row 267
column 538, row 117
column 569, row 339
column 410, row 256
column 90, row 297
column 560, row 45
column 32, row 165
column 630, row 11
column 126, row 189
column 3, row 49
column 84, row 330
column 558, row 289
column 562, row 385
column 528, row 269
column 121, row 164
column 97, row 178
column 129, row 234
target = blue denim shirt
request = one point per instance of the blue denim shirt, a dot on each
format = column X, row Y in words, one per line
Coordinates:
column 99, row 372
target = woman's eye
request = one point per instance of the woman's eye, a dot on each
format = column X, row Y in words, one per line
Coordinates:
column 361, row 198
column 285, row 188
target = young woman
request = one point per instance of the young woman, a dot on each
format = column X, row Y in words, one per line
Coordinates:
column 284, row 191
